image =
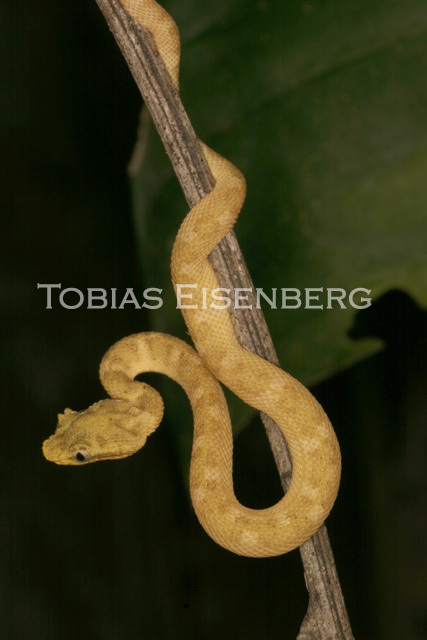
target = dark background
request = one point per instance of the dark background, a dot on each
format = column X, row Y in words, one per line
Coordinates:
column 115, row 550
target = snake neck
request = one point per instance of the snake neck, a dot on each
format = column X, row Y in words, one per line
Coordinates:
column 153, row 353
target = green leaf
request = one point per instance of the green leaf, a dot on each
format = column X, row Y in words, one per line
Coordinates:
column 322, row 105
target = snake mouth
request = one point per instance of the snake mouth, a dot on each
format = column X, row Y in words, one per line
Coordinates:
column 105, row 456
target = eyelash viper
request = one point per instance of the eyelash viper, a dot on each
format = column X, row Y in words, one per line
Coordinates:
column 117, row 427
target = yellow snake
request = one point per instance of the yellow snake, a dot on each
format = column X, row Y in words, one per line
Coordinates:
column 117, row 427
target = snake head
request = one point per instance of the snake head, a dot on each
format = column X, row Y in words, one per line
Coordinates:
column 107, row 430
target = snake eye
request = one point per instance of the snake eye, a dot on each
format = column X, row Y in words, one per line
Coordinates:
column 82, row 455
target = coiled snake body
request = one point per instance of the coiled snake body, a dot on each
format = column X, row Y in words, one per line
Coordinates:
column 117, row 427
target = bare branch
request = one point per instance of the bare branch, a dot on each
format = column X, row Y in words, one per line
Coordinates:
column 326, row 617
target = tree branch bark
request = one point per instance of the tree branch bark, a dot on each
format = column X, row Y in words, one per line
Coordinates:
column 326, row 617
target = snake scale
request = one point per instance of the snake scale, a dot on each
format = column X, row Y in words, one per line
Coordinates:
column 119, row 426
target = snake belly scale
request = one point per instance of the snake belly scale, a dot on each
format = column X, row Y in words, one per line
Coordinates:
column 119, row 426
